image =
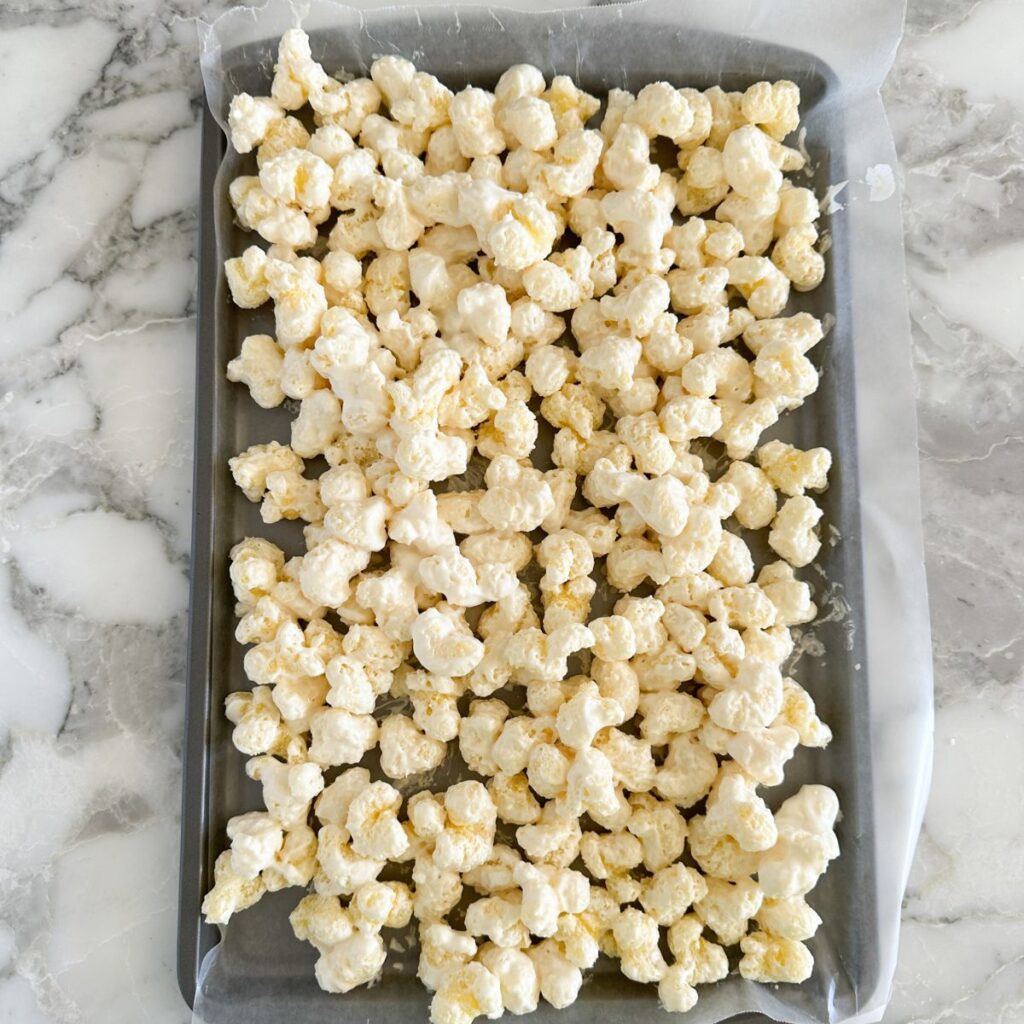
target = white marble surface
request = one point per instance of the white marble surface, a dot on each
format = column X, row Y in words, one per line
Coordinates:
column 98, row 181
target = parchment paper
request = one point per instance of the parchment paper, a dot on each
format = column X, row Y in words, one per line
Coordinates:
column 840, row 54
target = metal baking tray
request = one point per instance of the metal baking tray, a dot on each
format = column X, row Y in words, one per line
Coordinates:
column 263, row 972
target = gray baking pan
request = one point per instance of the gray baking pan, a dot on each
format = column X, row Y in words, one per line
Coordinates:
column 261, row 973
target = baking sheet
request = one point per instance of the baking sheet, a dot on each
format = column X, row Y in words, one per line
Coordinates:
column 873, row 685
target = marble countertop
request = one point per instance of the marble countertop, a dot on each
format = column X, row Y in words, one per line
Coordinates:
column 98, row 188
